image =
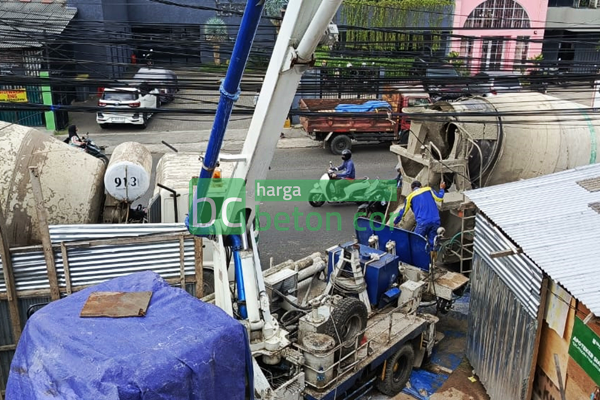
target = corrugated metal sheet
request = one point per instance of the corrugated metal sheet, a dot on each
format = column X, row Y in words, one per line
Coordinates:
column 549, row 218
column 501, row 335
column 6, row 337
column 517, row 272
column 97, row 264
column 24, row 23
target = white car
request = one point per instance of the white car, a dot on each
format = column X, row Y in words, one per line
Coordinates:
column 133, row 102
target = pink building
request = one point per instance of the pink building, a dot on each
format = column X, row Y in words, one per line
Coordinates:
column 498, row 35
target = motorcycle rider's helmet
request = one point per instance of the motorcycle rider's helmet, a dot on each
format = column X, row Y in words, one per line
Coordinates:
column 415, row 184
column 346, row 155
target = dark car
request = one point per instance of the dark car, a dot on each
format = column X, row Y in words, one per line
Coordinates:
column 493, row 82
column 163, row 79
column 439, row 78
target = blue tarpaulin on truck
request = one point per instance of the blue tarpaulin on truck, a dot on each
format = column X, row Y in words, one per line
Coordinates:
column 365, row 107
column 182, row 348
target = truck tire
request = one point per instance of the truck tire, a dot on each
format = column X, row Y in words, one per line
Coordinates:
column 397, row 371
column 208, row 281
column 339, row 143
column 348, row 318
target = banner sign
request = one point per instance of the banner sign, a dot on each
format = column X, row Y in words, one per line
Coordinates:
column 585, row 349
column 15, row 95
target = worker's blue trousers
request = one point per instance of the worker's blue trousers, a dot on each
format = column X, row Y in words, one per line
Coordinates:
column 429, row 231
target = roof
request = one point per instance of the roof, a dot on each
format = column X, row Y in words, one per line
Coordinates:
column 23, row 23
column 555, row 220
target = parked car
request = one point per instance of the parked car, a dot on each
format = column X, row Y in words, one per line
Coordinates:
column 439, row 78
column 494, row 82
column 164, row 80
column 132, row 100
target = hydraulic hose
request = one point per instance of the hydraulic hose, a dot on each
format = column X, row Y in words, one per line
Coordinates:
column 239, row 275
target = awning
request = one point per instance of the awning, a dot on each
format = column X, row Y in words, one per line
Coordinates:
column 24, row 25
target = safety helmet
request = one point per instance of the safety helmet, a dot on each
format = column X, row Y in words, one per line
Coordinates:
column 415, row 184
column 346, row 155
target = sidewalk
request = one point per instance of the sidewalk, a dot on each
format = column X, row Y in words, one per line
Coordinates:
column 194, row 141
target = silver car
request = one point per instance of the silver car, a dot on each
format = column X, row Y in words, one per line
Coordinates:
column 164, row 80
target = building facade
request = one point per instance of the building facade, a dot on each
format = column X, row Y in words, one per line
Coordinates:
column 498, row 35
column 572, row 41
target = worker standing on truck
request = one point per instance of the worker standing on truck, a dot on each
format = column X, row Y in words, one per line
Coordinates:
column 422, row 202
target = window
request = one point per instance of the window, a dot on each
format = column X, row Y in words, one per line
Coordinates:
column 417, row 101
column 521, row 50
column 498, row 14
column 119, row 96
column 466, row 50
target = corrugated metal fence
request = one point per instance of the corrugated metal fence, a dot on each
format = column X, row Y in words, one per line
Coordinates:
column 90, row 254
column 503, row 315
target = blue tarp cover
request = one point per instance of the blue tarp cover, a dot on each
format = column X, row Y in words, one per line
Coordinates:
column 365, row 107
column 182, row 349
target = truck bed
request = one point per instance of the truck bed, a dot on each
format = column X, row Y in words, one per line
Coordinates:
column 363, row 122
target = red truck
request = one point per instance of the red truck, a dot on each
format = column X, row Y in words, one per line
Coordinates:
column 338, row 132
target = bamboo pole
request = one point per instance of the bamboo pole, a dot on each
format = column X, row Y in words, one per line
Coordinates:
column 9, row 281
column 44, row 232
column 199, row 267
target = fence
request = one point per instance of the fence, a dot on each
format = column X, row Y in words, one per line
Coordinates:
column 83, row 255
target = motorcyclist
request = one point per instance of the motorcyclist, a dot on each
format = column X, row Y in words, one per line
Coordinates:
column 74, row 139
column 345, row 171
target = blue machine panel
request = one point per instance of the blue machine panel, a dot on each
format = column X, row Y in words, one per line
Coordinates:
column 411, row 248
column 380, row 274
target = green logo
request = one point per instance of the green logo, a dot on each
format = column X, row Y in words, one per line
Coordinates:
column 221, row 211
column 359, row 190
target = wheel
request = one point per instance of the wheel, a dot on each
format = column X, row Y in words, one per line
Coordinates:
column 339, row 143
column 316, row 200
column 348, row 318
column 397, row 371
column 208, row 282
column 102, row 126
column 145, row 121
column 103, row 158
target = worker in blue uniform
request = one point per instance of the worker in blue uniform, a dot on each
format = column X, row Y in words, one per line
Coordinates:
column 422, row 201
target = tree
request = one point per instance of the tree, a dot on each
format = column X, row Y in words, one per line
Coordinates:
column 215, row 32
column 273, row 8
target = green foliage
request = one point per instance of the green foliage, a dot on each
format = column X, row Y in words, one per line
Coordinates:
column 215, row 30
column 393, row 14
column 455, row 59
column 273, row 9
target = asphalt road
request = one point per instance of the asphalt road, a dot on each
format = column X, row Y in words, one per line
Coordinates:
column 371, row 161
column 294, row 244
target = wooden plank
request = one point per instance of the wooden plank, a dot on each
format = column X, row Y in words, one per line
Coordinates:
column 44, row 232
column 9, row 281
column 561, row 388
column 65, row 258
column 8, row 347
column 538, row 336
column 578, row 377
column 199, row 267
column 128, row 240
column 181, row 263
column 116, row 304
column 551, row 343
